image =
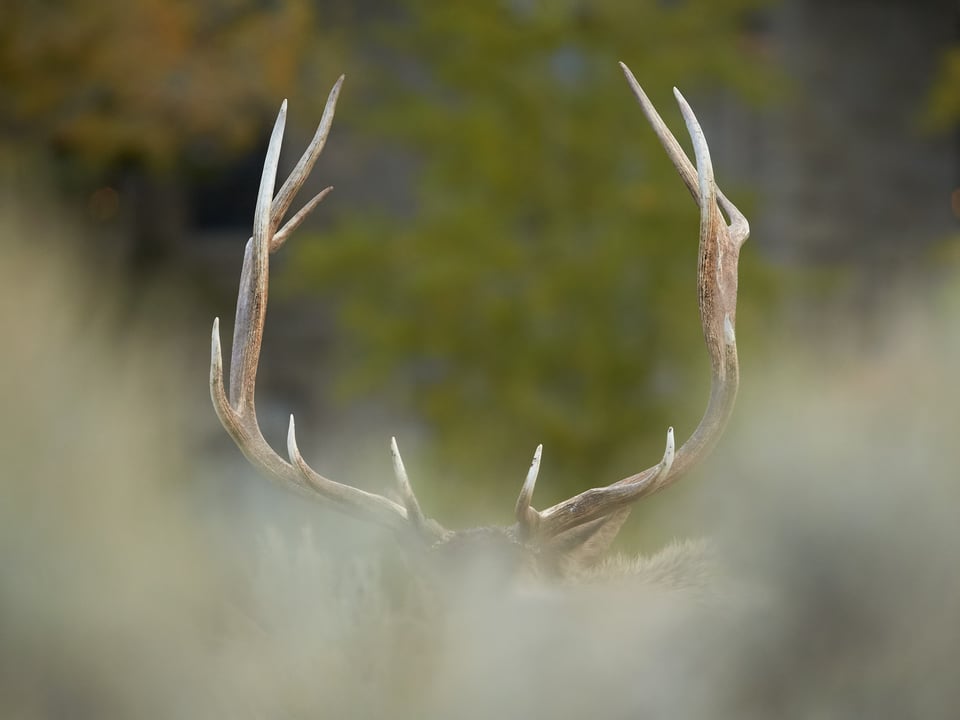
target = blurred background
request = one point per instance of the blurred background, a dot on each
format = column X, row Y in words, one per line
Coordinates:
column 508, row 258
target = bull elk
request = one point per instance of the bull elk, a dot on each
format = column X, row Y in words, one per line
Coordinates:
column 551, row 541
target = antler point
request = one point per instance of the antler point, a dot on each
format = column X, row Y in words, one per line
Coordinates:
column 216, row 355
column 293, row 452
column 669, row 453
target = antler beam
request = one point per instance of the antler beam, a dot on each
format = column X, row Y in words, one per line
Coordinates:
column 237, row 412
column 719, row 253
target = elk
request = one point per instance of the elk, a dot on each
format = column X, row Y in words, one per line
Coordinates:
column 554, row 541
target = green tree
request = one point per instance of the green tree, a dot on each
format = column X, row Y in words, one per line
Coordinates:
column 943, row 104
column 143, row 77
column 542, row 288
column 119, row 101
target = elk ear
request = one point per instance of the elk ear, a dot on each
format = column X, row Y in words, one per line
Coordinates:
column 584, row 545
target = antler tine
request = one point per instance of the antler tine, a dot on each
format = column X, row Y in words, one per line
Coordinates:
column 293, row 223
column 301, row 172
column 403, row 486
column 351, row 500
column 604, row 501
column 676, row 154
column 528, row 519
column 254, row 280
column 717, row 296
column 739, row 226
column 251, row 301
column 237, row 412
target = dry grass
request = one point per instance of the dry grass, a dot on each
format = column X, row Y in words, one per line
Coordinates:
column 831, row 510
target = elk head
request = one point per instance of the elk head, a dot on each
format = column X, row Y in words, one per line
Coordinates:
column 553, row 540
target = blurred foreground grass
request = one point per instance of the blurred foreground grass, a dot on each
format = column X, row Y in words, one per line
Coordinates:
column 832, row 504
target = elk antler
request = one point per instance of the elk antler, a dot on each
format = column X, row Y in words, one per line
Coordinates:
column 592, row 516
column 719, row 252
column 238, row 413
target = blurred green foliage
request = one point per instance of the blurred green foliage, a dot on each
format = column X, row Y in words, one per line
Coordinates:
column 542, row 287
column 942, row 111
column 137, row 79
column 539, row 287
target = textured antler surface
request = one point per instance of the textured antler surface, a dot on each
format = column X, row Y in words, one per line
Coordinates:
column 719, row 252
column 237, row 412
